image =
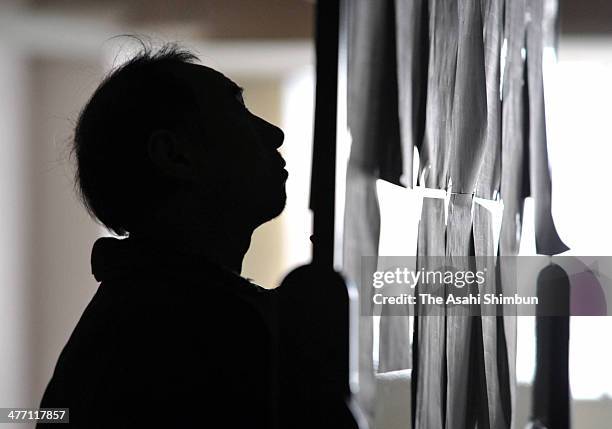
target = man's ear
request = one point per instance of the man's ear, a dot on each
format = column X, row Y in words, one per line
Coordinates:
column 169, row 155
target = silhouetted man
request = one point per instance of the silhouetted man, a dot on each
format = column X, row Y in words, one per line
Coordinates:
column 168, row 155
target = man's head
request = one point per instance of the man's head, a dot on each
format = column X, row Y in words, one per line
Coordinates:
column 161, row 125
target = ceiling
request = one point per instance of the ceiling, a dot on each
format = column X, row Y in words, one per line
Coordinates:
column 226, row 19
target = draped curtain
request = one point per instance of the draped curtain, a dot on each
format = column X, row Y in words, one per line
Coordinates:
column 461, row 81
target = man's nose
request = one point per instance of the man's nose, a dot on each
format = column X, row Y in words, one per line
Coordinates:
column 279, row 135
column 271, row 134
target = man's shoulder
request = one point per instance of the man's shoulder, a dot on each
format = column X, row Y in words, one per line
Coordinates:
column 136, row 316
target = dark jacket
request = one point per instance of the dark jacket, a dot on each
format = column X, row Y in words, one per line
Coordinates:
column 168, row 338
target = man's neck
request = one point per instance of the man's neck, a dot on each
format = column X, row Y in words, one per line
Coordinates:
column 219, row 239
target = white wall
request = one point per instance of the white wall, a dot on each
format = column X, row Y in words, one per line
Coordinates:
column 15, row 362
column 61, row 232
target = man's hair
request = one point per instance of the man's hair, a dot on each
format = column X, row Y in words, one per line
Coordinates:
column 114, row 177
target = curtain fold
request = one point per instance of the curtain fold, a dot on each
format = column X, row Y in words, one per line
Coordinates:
column 429, row 346
column 547, row 239
column 361, row 238
column 514, row 175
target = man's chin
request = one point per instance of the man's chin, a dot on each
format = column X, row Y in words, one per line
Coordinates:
column 280, row 206
column 275, row 207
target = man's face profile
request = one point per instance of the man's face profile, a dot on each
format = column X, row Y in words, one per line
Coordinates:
column 234, row 154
